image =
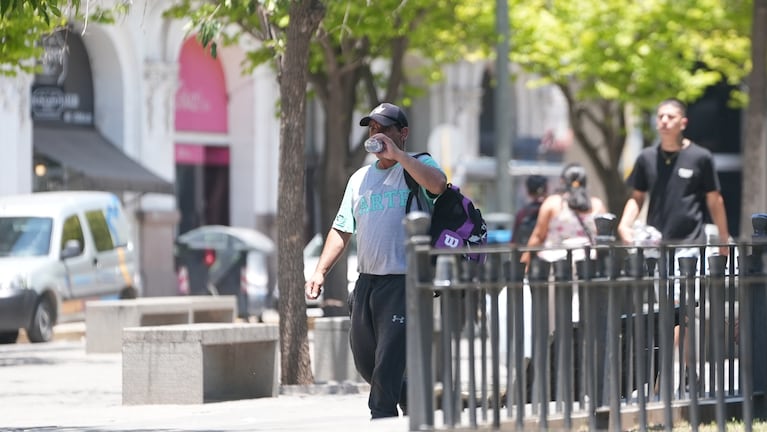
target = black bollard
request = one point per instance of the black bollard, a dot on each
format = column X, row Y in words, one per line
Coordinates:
column 605, row 224
column 563, row 371
column 634, row 264
column 518, row 384
column 538, row 274
column 716, row 284
column 759, row 224
column 420, row 326
column 688, row 357
column 756, row 299
column 602, row 328
column 445, row 276
column 651, row 263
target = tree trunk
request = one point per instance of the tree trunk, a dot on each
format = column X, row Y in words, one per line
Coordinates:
column 599, row 129
column 616, row 191
column 305, row 16
column 754, row 198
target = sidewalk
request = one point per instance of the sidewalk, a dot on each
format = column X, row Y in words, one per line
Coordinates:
column 57, row 386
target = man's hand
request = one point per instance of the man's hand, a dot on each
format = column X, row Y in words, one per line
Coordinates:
column 313, row 286
column 390, row 150
column 626, row 234
column 629, row 216
column 335, row 243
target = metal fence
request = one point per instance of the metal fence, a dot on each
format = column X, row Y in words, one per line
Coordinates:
column 617, row 338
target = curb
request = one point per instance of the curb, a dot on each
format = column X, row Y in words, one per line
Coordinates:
column 329, row 388
column 70, row 331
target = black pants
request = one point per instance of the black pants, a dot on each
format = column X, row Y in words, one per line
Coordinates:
column 377, row 339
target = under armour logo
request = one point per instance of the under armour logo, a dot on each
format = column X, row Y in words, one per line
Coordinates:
column 398, row 318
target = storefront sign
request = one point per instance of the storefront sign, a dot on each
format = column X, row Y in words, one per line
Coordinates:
column 62, row 92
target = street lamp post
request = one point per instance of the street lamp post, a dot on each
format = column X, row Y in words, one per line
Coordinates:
column 503, row 114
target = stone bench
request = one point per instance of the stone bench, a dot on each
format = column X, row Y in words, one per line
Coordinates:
column 106, row 319
column 197, row 363
column 333, row 360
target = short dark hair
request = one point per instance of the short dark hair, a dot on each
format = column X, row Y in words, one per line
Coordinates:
column 536, row 185
column 675, row 102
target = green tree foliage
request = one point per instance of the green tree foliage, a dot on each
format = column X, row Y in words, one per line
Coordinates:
column 23, row 23
column 605, row 54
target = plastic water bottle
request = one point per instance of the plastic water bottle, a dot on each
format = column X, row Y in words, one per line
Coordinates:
column 373, row 145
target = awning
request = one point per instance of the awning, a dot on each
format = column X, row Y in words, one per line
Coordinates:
column 95, row 162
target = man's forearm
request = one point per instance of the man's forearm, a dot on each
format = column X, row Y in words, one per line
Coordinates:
column 630, row 213
column 432, row 179
column 335, row 244
column 719, row 216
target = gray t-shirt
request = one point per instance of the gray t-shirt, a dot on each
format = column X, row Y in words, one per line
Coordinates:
column 373, row 208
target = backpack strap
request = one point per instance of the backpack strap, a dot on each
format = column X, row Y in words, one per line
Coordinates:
column 585, row 229
column 414, row 188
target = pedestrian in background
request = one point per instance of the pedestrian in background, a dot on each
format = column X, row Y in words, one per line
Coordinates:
column 681, row 181
column 566, row 218
column 527, row 216
column 373, row 208
column 565, row 221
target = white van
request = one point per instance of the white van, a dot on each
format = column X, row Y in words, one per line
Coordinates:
column 57, row 246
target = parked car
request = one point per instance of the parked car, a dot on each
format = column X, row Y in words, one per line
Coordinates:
column 57, row 246
column 312, row 252
column 223, row 260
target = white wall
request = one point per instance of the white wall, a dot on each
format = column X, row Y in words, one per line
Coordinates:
column 267, row 141
column 16, row 127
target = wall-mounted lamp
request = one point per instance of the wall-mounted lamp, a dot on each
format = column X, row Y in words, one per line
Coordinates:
column 40, row 169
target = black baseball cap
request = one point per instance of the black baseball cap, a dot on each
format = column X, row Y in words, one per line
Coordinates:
column 386, row 114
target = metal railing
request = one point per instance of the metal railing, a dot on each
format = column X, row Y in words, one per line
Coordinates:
column 587, row 343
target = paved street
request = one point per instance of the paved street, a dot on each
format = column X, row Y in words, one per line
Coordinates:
column 57, row 386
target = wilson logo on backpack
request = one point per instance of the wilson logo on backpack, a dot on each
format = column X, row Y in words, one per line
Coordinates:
column 450, row 241
column 455, row 222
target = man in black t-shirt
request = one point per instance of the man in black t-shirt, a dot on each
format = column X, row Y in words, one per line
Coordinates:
column 680, row 178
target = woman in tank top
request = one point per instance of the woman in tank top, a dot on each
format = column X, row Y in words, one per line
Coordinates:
column 566, row 218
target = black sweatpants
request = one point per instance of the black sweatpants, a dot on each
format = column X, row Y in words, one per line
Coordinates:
column 377, row 339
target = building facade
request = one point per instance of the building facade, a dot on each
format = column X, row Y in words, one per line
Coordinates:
column 138, row 108
column 141, row 109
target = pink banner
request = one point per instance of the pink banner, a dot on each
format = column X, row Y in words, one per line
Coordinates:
column 191, row 154
column 201, row 102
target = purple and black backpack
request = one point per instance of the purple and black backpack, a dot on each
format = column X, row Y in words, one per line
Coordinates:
column 455, row 222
